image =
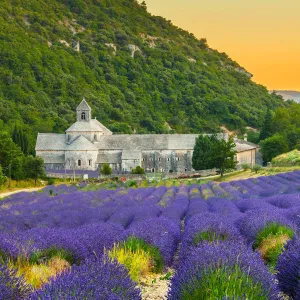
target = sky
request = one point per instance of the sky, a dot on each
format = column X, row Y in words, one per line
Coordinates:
column 261, row 35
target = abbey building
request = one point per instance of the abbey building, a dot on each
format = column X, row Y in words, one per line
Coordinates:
column 88, row 144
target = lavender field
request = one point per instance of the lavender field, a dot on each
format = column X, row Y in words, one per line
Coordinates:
column 233, row 240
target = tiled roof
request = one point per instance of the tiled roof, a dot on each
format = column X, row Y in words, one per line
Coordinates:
column 131, row 154
column 50, row 141
column 133, row 143
column 83, row 105
column 87, row 126
column 81, row 144
column 242, row 145
column 112, row 157
column 147, row 142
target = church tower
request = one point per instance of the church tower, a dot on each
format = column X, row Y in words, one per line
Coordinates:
column 84, row 112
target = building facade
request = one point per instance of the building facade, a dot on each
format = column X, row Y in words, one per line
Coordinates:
column 88, row 144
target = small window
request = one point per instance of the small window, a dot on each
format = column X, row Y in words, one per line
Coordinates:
column 90, row 162
column 83, row 116
column 79, row 163
column 159, row 159
column 153, row 170
column 168, row 159
column 143, row 159
column 178, row 158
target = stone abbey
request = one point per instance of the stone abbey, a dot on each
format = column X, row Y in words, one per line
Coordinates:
column 88, row 144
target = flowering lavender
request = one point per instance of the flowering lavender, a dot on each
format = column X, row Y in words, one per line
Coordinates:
column 160, row 232
column 11, row 286
column 207, row 258
column 256, row 220
column 96, row 280
column 207, row 227
column 288, row 268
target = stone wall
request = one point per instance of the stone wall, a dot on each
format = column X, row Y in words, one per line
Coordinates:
column 88, row 160
column 246, row 157
column 167, row 161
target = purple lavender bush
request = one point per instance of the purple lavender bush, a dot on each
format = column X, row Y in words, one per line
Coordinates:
column 288, row 268
column 208, row 227
column 12, row 287
column 222, row 271
column 96, row 280
column 160, row 232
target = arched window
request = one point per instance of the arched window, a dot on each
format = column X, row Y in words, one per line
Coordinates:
column 83, row 116
column 79, row 163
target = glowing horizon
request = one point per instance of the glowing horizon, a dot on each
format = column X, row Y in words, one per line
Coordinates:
column 261, row 35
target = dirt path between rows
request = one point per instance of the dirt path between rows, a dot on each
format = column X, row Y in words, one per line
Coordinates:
column 6, row 194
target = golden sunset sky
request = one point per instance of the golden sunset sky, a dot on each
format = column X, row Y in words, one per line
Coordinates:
column 261, row 35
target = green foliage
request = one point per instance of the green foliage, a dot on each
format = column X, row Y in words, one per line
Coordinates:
column 105, row 170
column 42, row 256
column 209, row 236
column 130, row 183
column 51, row 181
column 34, row 167
column 291, row 158
column 273, row 146
column 224, row 282
column 136, row 244
column 286, row 123
column 138, row 257
column 11, row 157
column 256, row 168
column 138, row 170
column 224, row 155
column 201, row 159
column 245, row 167
column 266, row 130
column 42, row 79
column 271, row 240
column 20, row 139
column 211, row 152
column 2, row 177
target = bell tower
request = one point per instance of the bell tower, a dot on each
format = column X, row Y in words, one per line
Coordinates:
column 84, row 112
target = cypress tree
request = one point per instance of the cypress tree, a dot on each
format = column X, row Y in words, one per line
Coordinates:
column 266, row 130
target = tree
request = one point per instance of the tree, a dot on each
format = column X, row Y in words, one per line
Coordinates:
column 106, row 170
column 2, row 177
column 211, row 152
column 138, row 170
column 144, row 5
column 273, row 146
column 223, row 157
column 202, row 153
column 11, row 157
column 34, row 168
column 20, row 139
column 256, row 168
column 266, row 130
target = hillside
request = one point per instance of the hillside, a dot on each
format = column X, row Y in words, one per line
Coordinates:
column 139, row 72
column 289, row 95
column 291, row 158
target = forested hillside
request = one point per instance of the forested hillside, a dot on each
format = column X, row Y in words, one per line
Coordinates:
column 139, row 73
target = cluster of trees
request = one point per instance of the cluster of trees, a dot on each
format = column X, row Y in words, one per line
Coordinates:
column 138, row 170
column 280, row 132
column 176, row 83
column 107, row 170
column 14, row 164
column 211, row 152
